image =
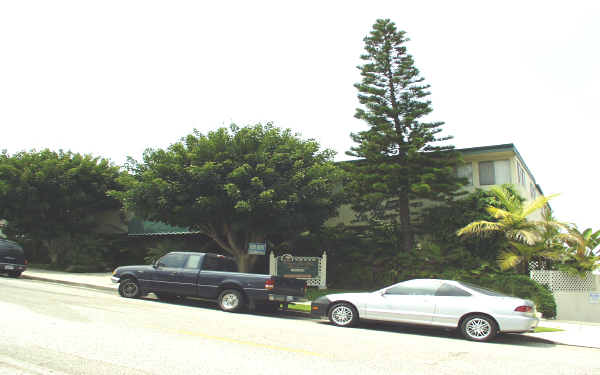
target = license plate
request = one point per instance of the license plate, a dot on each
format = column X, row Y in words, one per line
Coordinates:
column 9, row 267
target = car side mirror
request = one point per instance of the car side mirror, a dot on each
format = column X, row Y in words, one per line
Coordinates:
column 155, row 264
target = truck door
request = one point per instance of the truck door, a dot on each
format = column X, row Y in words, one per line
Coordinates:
column 189, row 275
column 166, row 276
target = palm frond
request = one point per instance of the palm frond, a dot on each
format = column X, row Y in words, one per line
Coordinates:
column 508, row 259
column 497, row 213
column 524, row 235
column 537, row 204
column 479, row 228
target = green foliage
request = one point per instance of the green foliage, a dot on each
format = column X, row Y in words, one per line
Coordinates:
column 526, row 239
column 441, row 222
column 581, row 254
column 237, row 185
column 53, row 198
column 400, row 161
column 162, row 247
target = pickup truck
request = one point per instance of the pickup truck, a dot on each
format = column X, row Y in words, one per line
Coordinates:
column 207, row 276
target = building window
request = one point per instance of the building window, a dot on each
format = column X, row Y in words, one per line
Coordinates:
column 494, row 172
column 465, row 171
column 521, row 175
column 532, row 190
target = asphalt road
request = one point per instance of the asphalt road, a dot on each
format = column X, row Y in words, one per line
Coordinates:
column 56, row 329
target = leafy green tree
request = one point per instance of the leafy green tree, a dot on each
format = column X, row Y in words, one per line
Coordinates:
column 400, row 161
column 236, row 186
column 441, row 222
column 54, row 197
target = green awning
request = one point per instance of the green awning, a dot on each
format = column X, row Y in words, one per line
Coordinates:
column 139, row 227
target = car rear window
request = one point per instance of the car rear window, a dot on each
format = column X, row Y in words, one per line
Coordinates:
column 447, row 290
column 482, row 290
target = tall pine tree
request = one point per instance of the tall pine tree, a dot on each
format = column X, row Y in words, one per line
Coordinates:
column 400, row 162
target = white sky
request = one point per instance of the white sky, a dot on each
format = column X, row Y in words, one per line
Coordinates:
column 112, row 78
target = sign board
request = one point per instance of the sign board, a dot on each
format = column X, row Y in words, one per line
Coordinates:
column 594, row 297
column 298, row 267
column 257, row 248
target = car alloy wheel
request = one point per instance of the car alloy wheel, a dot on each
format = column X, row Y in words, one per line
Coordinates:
column 479, row 328
column 343, row 315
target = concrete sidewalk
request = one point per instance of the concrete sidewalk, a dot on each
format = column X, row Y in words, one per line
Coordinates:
column 573, row 333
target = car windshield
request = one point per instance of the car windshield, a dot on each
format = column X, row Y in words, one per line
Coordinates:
column 487, row 292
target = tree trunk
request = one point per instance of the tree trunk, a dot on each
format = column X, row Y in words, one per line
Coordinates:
column 405, row 227
column 245, row 262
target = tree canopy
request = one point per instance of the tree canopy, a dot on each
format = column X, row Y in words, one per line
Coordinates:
column 400, row 159
column 236, row 186
column 49, row 196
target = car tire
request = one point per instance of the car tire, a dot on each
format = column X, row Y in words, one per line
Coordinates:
column 129, row 288
column 231, row 300
column 478, row 327
column 14, row 274
column 343, row 314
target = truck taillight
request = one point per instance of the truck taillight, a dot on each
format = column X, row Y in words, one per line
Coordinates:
column 523, row 309
column 26, row 262
column 269, row 284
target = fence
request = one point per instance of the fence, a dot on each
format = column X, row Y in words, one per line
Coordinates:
column 577, row 298
column 311, row 269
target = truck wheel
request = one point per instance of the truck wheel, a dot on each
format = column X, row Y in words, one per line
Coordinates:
column 231, row 300
column 478, row 328
column 343, row 314
column 129, row 288
column 14, row 273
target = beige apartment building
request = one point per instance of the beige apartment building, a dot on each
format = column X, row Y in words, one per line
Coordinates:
column 484, row 167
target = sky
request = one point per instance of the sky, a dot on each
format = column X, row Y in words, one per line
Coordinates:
column 115, row 77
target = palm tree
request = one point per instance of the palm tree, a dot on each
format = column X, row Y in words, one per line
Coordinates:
column 527, row 238
column 582, row 254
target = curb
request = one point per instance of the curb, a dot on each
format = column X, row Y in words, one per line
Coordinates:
column 73, row 283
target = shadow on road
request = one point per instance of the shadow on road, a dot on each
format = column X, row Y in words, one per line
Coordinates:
column 212, row 305
column 503, row 339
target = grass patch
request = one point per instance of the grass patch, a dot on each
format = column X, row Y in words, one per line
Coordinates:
column 299, row 307
column 547, row 329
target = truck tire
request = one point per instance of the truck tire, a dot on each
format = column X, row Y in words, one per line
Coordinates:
column 129, row 288
column 231, row 300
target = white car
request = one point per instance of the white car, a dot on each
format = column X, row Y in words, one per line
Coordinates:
column 478, row 312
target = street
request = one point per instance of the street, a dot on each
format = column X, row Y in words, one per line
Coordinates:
column 57, row 329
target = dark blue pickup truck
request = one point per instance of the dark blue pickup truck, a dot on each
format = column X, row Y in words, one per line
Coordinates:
column 208, row 276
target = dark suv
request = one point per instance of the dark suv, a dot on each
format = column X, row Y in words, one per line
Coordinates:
column 12, row 258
